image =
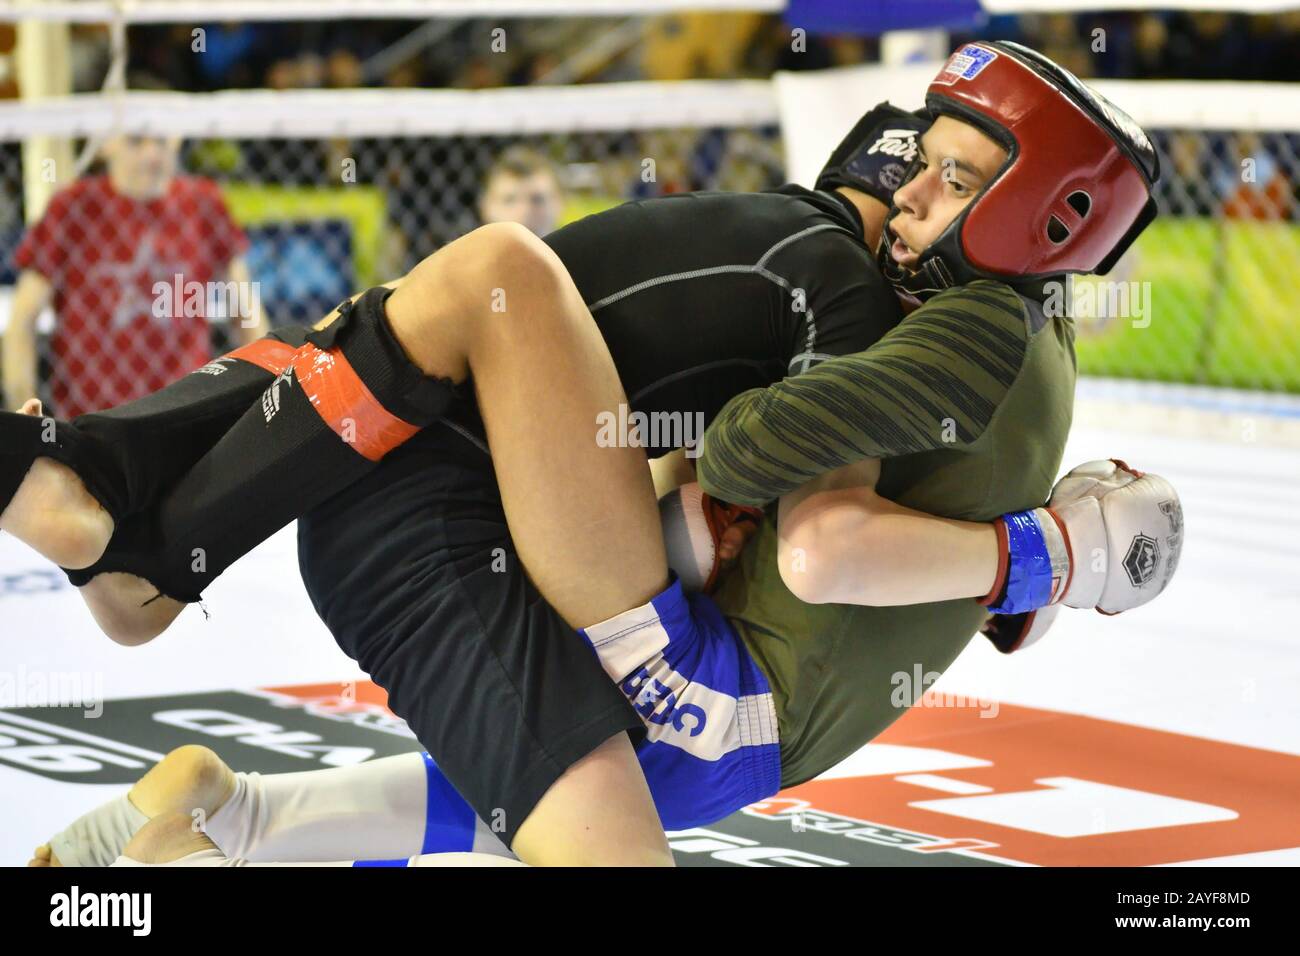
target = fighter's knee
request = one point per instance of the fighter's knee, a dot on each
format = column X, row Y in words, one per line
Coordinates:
column 478, row 276
column 448, row 309
column 516, row 260
column 508, row 239
column 482, row 253
column 166, row 838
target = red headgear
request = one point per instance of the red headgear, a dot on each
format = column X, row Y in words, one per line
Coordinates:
column 1075, row 190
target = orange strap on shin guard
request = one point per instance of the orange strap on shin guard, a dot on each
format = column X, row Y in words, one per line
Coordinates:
column 346, row 405
column 267, row 354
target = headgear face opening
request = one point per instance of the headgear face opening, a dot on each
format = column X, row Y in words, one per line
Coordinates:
column 1074, row 192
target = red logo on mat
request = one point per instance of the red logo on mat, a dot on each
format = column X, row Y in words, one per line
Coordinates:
column 1060, row 789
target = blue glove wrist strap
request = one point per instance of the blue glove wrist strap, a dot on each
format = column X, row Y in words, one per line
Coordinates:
column 1029, row 566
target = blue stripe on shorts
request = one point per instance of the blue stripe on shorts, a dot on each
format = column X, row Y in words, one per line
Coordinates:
column 711, row 746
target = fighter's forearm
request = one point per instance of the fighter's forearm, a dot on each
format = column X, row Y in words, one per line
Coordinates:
column 841, row 542
column 933, row 382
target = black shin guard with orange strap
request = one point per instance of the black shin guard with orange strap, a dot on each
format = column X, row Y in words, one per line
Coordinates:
column 347, row 398
column 127, row 455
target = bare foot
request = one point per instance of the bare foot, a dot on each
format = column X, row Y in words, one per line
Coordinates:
column 43, row 856
column 53, row 513
column 167, row 838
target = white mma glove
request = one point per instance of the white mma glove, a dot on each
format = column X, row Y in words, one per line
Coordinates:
column 1124, row 535
column 693, row 525
column 1109, row 539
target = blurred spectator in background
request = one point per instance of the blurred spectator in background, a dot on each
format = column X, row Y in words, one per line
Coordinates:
column 227, row 57
column 684, row 46
column 1255, row 184
column 1150, row 40
column 1057, row 35
column 522, row 186
column 1137, row 44
column 1191, row 180
column 343, row 70
column 110, row 253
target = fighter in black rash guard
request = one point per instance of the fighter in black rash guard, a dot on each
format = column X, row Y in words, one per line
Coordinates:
column 411, row 563
column 699, row 297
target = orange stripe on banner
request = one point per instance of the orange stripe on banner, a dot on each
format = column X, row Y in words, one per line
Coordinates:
column 346, row 405
column 267, row 354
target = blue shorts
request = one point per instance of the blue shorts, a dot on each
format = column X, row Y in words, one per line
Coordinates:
column 711, row 743
column 711, row 746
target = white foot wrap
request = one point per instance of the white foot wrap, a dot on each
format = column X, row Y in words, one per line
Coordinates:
column 97, row 838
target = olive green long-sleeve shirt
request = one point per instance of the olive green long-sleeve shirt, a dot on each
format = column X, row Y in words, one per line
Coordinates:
column 968, row 403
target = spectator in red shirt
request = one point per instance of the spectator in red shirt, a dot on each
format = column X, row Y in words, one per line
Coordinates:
column 111, row 252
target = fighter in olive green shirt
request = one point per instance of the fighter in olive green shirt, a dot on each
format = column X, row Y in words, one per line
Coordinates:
column 967, row 403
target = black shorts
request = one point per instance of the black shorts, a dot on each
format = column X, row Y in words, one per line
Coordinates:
column 414, row 572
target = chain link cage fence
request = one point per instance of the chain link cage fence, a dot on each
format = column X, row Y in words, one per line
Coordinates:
column 314, row 220
column 1213, row 285
column 1211, row 291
